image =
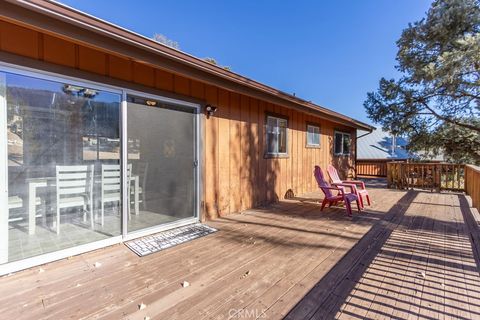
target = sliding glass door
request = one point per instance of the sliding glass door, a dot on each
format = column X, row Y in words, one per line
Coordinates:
column 162, row 162
column 67, row 166
column 59, row 138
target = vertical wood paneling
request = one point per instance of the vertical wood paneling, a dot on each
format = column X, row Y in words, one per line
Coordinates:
column 91, row 60
column 164, row 80
column 254, row 150
column 19, row 40
column 223, row 115
column 235, row 159
column 273, row 177
column 245, row 161
column 181, row 85
column 211, row 165
column 237, row 176
column 197, row 90
column 120, row 68
column 310, row 159
column 286, row 162
column 262, row 163
column 294, row 138
column 58, row 51
column 143, row 74
column 301, row 155
column 297, row 156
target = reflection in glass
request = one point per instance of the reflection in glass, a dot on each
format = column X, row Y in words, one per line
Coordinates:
column 346, row 144
column 276, row 135
column 338, row 143
column 59, row 135
column 342, row 143
column 161, row 153
column 313, row 135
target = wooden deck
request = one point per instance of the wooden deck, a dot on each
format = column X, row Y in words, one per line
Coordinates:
column 410, row 254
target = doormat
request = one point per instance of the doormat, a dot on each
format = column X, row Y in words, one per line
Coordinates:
column 167, row 239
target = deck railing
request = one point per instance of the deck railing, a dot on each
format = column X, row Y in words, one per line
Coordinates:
column 371, row 168
column 434, row 176
column 472, row 184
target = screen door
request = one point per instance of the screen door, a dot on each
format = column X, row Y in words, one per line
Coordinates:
column 162, row 162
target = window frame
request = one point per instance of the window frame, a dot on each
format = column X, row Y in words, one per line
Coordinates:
column 344, row 134
column 110, row 86
column 278, row 117
column 312, row 145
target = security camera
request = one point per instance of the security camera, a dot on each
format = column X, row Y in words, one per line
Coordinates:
column 210, row 110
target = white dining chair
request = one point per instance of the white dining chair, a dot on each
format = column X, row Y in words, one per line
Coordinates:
column 74, row 186
column 111, row 186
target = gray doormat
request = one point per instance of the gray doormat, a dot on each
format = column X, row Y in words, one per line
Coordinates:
column 167, row 239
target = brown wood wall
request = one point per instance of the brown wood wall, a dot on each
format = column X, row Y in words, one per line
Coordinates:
column 236, row 174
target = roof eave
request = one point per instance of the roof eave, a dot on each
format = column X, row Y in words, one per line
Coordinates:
column 93, row 24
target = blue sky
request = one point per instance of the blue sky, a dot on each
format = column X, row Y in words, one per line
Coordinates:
column 329, row 52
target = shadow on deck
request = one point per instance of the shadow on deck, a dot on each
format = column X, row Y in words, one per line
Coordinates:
column 410, row 253
column 417, row 261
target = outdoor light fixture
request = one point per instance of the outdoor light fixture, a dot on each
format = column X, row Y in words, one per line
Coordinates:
column 210, row 110
column 151, row 103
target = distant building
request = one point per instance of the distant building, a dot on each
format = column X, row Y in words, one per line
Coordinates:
column 375, row 149
column 381, row 145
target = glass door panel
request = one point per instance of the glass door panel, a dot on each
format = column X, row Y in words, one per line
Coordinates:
column 161, row 162
column 59, row 136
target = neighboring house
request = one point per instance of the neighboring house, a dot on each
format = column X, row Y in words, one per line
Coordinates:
column 378, row 147
column 95, row 116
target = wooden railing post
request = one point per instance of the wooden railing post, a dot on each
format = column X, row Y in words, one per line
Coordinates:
column 389, row 175
column 472, row 184
column 438, row 177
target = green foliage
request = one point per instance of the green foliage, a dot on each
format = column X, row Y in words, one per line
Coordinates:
column 456, row 143
column 436, row 102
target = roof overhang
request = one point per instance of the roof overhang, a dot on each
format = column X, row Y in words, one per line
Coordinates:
column 68, row 23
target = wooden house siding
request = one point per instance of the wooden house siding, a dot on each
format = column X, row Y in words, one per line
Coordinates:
column 236, row 174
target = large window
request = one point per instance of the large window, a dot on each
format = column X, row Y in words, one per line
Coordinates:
column 313, row 136
column 63, row 146
column 276, row 136
column 342, row 143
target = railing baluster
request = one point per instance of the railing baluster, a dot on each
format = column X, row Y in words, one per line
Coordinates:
column 438, row 176
column 458, row 177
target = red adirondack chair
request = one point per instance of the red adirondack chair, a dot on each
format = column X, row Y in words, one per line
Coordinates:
column 357, row 187
column 332, row 199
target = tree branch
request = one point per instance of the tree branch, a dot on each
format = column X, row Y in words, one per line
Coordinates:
column 449, row 120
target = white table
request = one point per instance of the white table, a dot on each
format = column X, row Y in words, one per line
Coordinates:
column 35, row 183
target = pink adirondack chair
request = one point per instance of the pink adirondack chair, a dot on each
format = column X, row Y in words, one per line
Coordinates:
column 332, row 199
column 357, row 187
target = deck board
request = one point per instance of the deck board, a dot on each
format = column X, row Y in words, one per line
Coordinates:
column 425, row 269
column 409, row 255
